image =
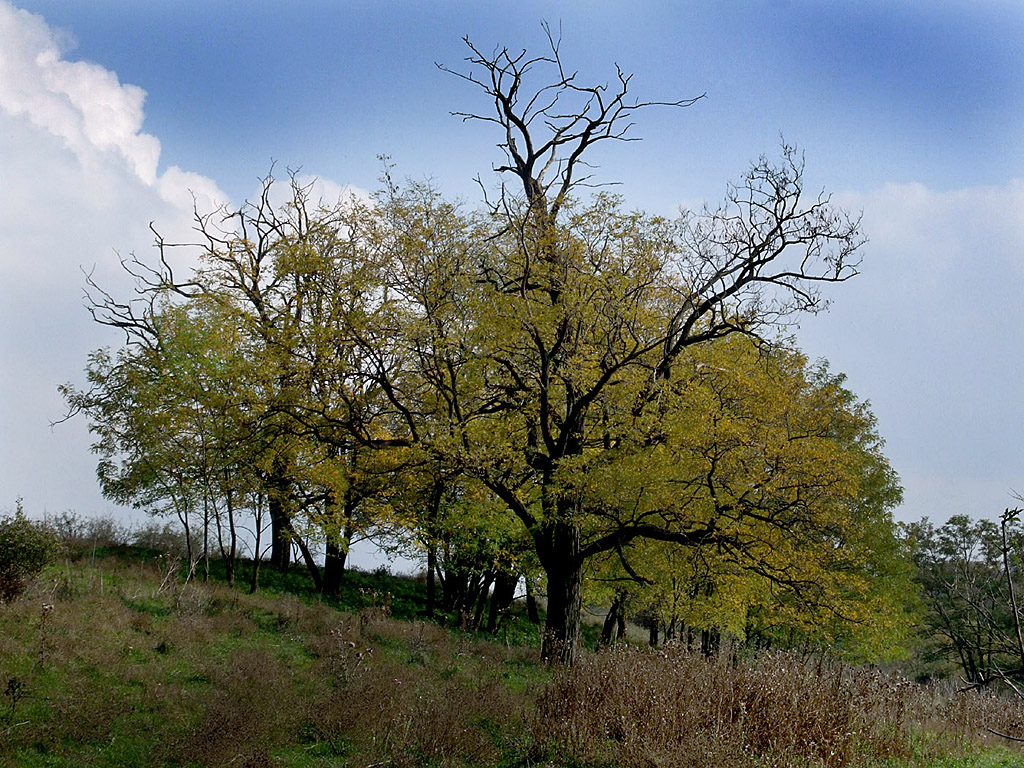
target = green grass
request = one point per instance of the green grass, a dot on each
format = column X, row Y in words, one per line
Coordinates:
column 992, row 757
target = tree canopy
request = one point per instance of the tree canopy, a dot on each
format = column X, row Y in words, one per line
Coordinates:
column 583, row 386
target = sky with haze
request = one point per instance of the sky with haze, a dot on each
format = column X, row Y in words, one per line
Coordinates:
column 115, row 114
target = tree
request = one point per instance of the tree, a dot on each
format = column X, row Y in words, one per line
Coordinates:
column 173, row 424
column 969, row 574
column 788, row 465
column 230, row 357
column 554, row 358
column 542, row 351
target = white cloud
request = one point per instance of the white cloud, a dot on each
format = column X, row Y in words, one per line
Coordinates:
column 80, row 183
column 82, row 103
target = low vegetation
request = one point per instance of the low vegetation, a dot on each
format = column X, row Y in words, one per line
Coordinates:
column 113, row 656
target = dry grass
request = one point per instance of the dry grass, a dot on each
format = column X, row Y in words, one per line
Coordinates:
column 634, row 707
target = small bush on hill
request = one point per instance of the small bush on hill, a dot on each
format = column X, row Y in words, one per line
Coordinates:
column 26, row 547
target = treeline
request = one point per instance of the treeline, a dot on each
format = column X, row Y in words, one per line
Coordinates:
column 971, row 581
column 550, row 390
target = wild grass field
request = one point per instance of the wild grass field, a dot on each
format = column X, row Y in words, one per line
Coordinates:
column 111, row 658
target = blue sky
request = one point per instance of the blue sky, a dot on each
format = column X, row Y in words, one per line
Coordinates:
column 112, row 113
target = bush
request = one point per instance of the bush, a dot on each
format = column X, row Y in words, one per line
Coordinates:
column 26, row 547
column 77, row 532
column 163, row 538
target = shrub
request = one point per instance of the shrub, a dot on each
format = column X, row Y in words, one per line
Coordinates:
column 26, row 547
column 164, row 537
column 78, row 532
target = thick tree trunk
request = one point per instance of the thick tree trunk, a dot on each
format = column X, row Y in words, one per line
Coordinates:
column 564, row 569
column 501, row 599
column 334, row 566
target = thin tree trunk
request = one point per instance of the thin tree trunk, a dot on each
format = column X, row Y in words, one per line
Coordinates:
column 436, row 494
column 431, row 578
column 531, row 604
column 481, row 603
column 1013, row 595
column 257, row 555
column 307, row 556
column 232, row 558
column 608, row 628
column 206, row 534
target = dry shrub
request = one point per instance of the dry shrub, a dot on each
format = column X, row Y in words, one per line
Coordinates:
column 403, row 704
column 255, row 701
column 975, row 714
column 398, row 714
column 634, row 707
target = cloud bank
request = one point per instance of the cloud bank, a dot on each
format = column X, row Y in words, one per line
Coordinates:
column 80, row 182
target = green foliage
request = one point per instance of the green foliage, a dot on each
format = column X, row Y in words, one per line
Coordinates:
column 26, row 547
column 968, row 611
column 783, row 466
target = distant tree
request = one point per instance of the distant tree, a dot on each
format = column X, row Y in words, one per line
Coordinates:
column 971, row 578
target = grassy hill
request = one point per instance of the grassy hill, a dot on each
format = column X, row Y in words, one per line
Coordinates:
column 112, row 659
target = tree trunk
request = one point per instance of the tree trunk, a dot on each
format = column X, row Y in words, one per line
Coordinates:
column 709, row 641
column 278, row 491
column 334, row 567
column 481, row 603
column 564, row 569
column 307, row 556
column 336, row 552
column 501, row 599
column 531, row 604
column 257, row 554
column 431, row 578
column 608, row 628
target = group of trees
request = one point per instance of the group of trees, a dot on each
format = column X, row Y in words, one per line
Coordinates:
column 971, row 580
column 552, row 386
